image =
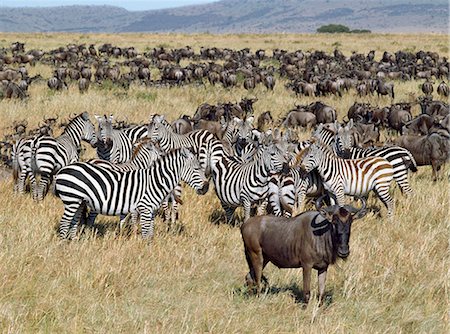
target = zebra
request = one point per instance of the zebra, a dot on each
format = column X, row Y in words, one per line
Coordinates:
column 400, row 158
column 288, row 190
column 349, row 177
column 243, row 184
column 117, row 145
column 139, row 192
column 21, row 159
column 144, row 155
column 204, row 144
column 48, row 154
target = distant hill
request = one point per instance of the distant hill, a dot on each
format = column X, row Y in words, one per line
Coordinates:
column 236, row 16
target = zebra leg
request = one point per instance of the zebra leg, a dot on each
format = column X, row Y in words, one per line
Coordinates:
column 123, row 220
column 382, row 192
column 74, row 223
column 229, row 213
column 43, row 187
column 402, row 181
column 71, row 211
column 247, row 209
column 20, row 185
column 274, row 199
column 147, row 225
column 262, row 208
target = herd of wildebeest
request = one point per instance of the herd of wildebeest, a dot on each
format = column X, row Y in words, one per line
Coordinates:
column 254, row 161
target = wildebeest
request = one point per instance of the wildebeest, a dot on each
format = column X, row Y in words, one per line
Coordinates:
column 442, row 89
column 419, row 125
column 383, row 88
column 264, row 120
column 427, row 87
column 83, row 85
column 299, row 117
column 313, row 239
column 324, row 113
column 432, row 149
column 398, row 116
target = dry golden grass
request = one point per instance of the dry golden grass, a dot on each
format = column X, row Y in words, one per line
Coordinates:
column 395, row 281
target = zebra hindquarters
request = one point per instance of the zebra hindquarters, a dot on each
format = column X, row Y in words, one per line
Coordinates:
column 381, row 188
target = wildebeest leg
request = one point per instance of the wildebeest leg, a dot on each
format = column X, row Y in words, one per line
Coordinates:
column 307, row 282
column 71, row 209
column 322, row 275
column 382, row 192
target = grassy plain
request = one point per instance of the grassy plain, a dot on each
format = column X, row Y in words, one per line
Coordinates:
column 395, row 281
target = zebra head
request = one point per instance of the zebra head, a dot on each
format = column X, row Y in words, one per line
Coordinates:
column 310, row 157
column 88, row 131
column 192, row 173
column 105, row 130
column 344, row 139
column 274, row 156
column 157, row 127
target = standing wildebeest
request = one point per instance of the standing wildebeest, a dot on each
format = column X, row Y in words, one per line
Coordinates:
column 264, row 120
column 299, row 117
column 433, row 149
column 427, row 87
column 83, row 85
column 383, row 88
column 443, row 89
column 313, row 239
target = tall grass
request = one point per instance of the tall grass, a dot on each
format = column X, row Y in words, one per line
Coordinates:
column 191, row 279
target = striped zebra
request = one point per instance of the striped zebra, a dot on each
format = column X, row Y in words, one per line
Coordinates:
column 286, row 191
column 244, row 184
column 138, row 192
column 48, row 154
column 21, row 159
column 117, row 145
column 349, row 177
column 204, row 144
column 144, row 155
column 400, row 158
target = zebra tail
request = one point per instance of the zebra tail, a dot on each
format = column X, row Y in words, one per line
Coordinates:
column 410, row 163
column 33, row 163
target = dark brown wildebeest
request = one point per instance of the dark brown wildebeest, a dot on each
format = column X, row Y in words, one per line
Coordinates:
column 269, row 82
column 250, row 83
column 324, row 113
column 419, row 125
column 399, row 116
column 55, row 83
column 11, row 90
column 264, row 120
column 383, row 88
column 83, row 85
column 432, row 149
column 299, row 117
column 442, row 89
column 427, row 87
column 311, row 240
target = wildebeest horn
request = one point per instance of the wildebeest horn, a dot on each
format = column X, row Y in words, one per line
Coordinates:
column 319, row 202
column 358, row 213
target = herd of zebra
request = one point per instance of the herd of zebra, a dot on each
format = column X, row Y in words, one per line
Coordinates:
column 139, row 169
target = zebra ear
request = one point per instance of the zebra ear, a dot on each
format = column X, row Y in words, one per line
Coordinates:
column 85, row 115
column 98, row 118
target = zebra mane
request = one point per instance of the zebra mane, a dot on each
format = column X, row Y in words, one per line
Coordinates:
column 298, row 158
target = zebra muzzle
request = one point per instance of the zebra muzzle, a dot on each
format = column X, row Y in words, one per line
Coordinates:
column 204, row 189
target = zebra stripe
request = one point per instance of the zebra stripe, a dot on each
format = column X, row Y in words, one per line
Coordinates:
column 144, row 155
column 139, row 192
column 288, row 190
column 117, row 145
column 350, row 177
column 48, row 154
column 244, row 184
column 21, row 158
column 400, row 158
column 203, row 143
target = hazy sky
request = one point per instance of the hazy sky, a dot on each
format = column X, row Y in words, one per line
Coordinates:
column 128, row 4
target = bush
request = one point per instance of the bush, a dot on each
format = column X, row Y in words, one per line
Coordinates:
column 333, row 28
column 339, row 28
